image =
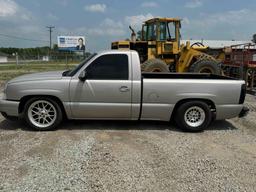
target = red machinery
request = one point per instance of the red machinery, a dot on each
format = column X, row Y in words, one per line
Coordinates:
column 240, row 62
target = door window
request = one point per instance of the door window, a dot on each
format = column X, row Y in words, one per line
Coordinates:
column 151, row 32
column 109, row 67
column 163, row 31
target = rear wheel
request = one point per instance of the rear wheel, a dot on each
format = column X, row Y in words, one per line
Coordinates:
column 43, row 113
column 193, row 116
column 154, row 65
column 205, row 66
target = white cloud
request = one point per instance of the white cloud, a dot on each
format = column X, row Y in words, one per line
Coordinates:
column 137, row 20
column 108, row 27
column 19, row 21
column 185, row 21
column 235, row 24
column 52, row 16
column 106, row 32
column 96, row 8
column 235, row 17
column 194, row 4
column 64, row 3
column 8, row 8
column 111, row 28
column 13, row 13
column 149, row 4
column 111, row 23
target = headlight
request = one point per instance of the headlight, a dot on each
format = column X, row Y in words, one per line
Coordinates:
column 5, row 88
column 4, row 91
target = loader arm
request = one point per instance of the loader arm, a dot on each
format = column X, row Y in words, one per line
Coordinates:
column 188, row 56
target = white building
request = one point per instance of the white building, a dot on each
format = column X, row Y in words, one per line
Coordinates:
column 3, row 58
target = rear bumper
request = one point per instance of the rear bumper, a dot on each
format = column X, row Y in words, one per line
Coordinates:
column 228, row 111
column 244, row 112
column 9, row 107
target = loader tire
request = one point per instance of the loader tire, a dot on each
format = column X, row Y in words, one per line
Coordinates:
column 154, row 65
column 205, row 66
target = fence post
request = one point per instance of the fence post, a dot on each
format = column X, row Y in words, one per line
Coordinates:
column 17, row 58
column 66, row 60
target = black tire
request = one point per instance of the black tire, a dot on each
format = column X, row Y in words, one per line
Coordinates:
column 56, row 122
column 182, row 116
column 9, row 118
column 155, row 65
column 206, row 66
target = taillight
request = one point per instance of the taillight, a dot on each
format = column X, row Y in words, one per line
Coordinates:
column 242, row 94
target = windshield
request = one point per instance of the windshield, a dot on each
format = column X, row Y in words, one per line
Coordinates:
column 78, row 67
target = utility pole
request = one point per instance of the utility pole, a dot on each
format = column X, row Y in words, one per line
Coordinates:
column 50, row 30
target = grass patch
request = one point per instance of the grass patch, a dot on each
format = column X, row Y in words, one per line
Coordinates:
column 10, row 71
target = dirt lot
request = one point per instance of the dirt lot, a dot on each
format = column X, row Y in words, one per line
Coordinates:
column 129, row 156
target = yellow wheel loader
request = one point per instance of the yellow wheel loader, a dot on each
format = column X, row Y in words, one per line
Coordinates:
column 160, row 49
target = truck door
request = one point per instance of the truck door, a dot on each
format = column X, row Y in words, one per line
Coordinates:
column 106, row 92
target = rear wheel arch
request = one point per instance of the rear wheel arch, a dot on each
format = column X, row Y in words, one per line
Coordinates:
column 193, row 115
column 182, row 101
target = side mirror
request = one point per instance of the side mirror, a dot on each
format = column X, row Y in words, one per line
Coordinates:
column 83, row 75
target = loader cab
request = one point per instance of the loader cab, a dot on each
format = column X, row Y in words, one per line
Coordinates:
column 159, row 38
column 163, row 37
column 161, row 30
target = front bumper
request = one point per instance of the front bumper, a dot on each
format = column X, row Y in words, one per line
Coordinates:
column 11, row 108
column 244, row 112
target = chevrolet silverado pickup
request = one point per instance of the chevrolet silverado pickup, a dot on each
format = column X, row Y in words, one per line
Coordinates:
column 110, row 86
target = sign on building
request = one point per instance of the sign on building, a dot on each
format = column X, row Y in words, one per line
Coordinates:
column 71, row 43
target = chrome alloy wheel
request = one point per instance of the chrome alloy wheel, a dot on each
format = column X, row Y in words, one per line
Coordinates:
column 194, row 116
column 42, row 113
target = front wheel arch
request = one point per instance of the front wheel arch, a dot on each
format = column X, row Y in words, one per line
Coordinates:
column 25, row 99
column 42, row 113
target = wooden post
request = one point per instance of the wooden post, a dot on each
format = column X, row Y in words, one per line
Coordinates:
column 252, row 80
column 241, row 68
column 246, row 77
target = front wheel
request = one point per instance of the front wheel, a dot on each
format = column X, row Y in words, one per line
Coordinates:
column 43, row 113
column 193, row 116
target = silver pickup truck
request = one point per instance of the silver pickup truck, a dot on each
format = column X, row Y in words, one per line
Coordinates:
column 110, row 86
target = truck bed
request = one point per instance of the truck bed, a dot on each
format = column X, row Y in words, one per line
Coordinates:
column 184, row 76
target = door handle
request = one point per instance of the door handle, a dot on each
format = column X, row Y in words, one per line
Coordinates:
column 124, row 89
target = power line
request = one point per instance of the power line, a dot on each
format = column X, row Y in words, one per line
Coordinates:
column 21, row 38
column 50, row 30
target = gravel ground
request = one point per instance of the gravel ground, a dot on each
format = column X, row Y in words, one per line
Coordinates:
column 129, row 156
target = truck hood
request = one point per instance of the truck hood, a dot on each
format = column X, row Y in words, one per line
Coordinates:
column 52, row 75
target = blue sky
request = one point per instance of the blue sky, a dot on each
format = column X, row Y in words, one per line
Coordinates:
column 102, row 22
